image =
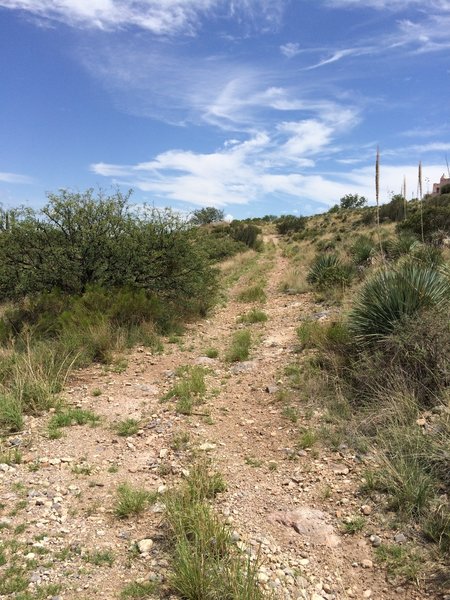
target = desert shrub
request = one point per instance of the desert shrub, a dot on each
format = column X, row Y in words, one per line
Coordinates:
column 328, row 270
column 393, row 210
column 445, row 189
column 436, row 217
column 290, row 224
column 246, row 234
column 362, row 250
column 79, row 240
column 368, row 216
column 351, row 201
column 392, row 295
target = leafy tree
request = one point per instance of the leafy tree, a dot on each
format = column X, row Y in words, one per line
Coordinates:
column 350, row 201
column 78, row 240
column 445, row 189
column 393, row 210
column 205, row 216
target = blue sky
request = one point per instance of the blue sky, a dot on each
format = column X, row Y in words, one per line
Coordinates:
column 253, row 106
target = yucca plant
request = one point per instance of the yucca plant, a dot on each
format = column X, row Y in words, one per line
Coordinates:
column 403, row 244
column 327, row 270
column 393, row 295
column 362, row 250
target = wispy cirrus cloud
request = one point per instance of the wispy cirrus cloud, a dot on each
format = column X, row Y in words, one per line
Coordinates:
column 15, row 178
column 395, row 5
column 290, row 49
column 161, row 18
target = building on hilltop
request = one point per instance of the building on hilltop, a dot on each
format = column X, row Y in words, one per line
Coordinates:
column 438, row 186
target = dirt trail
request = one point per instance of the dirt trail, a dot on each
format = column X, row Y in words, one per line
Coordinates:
column 70, row 514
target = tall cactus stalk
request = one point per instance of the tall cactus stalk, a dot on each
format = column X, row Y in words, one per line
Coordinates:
column 377, row 197
column 404, row 194
column 420, row 192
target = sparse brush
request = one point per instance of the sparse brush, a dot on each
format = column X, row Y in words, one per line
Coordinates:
column 328, row 271
column 211, row 352
column 11, row 414
column 254, row 293
column 138, row 590
column 240, row 346
column 132, row 501
column 253, row 316
column 189, row 390
column 294, row 282
column 127, row 427
column 205, row 564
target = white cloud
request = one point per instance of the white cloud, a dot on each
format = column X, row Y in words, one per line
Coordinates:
column 396, row 5
column 15, row 178
column 290, row 49
column 165, row 17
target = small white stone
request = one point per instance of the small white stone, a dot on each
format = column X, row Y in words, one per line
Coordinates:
column 145, row 545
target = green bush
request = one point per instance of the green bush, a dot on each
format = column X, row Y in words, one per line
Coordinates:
column 78, row 240
column 328, row 270
column 393, row 295
column 290, row 224
column 436, row 217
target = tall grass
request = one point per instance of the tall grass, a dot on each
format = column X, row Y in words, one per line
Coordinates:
column 240, row 346
column 205, row 564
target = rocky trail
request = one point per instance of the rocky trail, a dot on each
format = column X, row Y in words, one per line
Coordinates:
column 285, row 504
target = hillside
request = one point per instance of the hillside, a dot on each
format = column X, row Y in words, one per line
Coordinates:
column 259, row 392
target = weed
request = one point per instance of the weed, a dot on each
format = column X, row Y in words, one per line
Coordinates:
column 132, row 501
column 240, row 346
column 253, row 316
column 354, row 524
column 127, row 427
column 254, row 293
column 180, row 441
column 99, row 558
column 73, row 416
column 211, row 352
column 96, row 392
column 306, row 439
column 253, row 462
column 291, row 413
column 205, row 563
column 400, row 561
column 12, row 456
column 139, row 590
column 11, row 414
column 189, row 390
column 82, row 469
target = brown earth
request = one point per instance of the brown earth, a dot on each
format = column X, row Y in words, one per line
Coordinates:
column 285, row 505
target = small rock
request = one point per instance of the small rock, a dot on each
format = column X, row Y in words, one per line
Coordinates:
column 375, row 540
column 366, row 564
column 367, row 594
column 271, row 389
column 145, row 545
column 206, row 447
column 163, row 452
column 263, row 577
column 400, row 538
column 366, row 509
column 421, row 422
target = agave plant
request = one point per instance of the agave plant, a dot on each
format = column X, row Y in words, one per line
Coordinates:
column 328, row 270
column 393, row 295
